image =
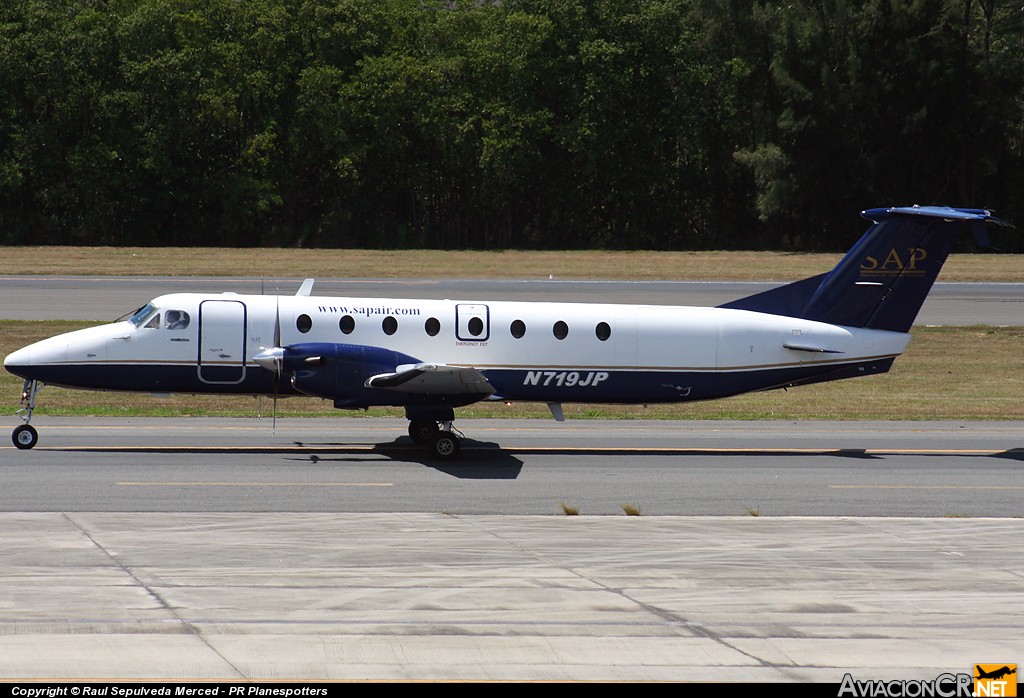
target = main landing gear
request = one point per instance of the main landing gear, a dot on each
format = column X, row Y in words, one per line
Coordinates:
column 441, row 438
column 431, row 426
column 25, row 435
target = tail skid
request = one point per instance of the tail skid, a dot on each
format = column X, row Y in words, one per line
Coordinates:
column 883, row 280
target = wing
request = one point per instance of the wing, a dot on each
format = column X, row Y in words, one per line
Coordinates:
column 432, row 379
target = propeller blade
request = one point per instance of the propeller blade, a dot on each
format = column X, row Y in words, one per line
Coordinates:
column 277, row 318
column 280, row 365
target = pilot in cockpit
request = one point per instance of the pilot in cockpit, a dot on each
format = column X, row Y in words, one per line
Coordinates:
column 176, row 320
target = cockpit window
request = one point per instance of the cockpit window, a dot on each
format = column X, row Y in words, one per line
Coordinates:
column 176, row 320
column 142, row 314
column 154, row 323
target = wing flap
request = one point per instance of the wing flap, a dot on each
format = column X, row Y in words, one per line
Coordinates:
column 432, row 379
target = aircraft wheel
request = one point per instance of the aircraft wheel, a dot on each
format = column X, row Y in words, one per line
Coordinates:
column 445, row 446
column 25, row 436
column 422, row 431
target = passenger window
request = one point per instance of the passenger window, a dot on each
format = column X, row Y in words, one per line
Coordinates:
column 603, row 331
column 560, row 330
column 432, row 326
column 303, row 323
column 389, row 325
column 518, row 329
column 176, row 320
column 346, row 324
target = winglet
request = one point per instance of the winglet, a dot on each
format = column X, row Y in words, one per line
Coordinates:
column 306, row 288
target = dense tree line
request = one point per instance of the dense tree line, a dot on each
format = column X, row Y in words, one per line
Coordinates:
column 519, row 123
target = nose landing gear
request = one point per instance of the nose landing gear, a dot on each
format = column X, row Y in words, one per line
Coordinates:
column 25, row 435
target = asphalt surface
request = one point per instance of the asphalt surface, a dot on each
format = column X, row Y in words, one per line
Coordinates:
column 105, row 298
column 521, row 467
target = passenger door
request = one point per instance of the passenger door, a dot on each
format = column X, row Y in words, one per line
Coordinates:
column 222, row 341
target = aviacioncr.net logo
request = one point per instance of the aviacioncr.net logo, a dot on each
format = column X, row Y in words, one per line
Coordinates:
column 942, row 686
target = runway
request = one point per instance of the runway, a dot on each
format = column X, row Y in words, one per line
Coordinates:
column 105, row 298
column 522, row 467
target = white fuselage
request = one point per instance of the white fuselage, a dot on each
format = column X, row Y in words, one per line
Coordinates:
column 561, row 352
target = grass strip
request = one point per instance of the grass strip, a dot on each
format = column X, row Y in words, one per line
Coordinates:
column 641, row 265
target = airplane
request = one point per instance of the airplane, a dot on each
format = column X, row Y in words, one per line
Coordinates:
column 994, row 674
column 432, row 356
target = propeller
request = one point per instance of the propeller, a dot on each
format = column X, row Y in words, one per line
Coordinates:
column 280, row 360
column 272, row 358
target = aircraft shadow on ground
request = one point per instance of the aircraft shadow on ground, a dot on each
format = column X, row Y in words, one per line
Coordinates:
column 483, row 460
column 479, row 460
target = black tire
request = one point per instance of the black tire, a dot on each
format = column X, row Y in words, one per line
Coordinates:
column 445, row 445
column 25, row 437
column 423, row 431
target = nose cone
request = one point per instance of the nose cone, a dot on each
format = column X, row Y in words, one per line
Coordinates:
column 59, row 360
column 21, row 361
column 33, row 360
column 270, row 359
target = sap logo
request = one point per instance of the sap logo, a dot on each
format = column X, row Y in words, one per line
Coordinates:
column 894, row 263
column 566, row 378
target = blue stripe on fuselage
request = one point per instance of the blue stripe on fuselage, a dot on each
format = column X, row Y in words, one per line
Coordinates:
column 157, row 378
column 640, row 386
column 533, row 385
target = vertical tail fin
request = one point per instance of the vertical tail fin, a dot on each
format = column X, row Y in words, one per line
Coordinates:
column 883, row 280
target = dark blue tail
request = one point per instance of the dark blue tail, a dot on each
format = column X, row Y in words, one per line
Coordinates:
column 883, row 280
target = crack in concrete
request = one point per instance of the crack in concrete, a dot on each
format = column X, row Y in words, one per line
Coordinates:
column 154, row 594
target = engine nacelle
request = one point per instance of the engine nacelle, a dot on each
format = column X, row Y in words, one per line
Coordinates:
column 339, row 371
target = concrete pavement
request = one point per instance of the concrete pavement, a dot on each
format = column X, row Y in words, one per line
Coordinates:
column 434, row 596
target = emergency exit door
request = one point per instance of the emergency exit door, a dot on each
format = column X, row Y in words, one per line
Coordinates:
column 472, row 322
